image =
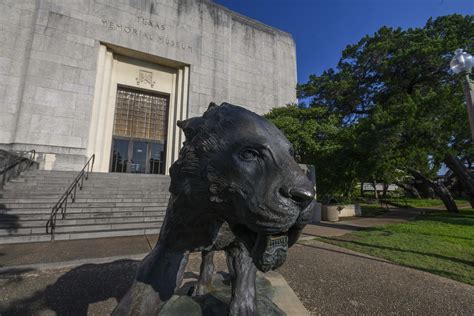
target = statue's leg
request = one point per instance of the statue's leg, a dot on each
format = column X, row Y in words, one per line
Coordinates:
column 181, row 270
column 243, row 273
column 157, row 278
column 205, row 273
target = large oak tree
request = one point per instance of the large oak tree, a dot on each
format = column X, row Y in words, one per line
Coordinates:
column 391, row 104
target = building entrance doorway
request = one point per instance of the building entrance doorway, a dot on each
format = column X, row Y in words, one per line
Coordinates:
column 140, row 131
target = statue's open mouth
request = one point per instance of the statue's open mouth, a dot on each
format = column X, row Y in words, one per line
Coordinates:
column 268, row 251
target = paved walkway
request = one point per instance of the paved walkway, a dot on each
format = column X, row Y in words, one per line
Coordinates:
column 335, row 281
column 58, row 252
column 328, row 280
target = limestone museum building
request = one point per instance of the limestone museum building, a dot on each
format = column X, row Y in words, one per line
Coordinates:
column 112, row 77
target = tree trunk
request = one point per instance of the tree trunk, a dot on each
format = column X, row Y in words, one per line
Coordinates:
column 426, row 192
column 411, row 190
column 450, row 181
column 462, row 174
column 385, row 189
column 439, row 189
column 374, row 184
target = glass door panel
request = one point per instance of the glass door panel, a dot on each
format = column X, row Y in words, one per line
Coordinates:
column 157, row 158
column 139, row 155
column 119, row 155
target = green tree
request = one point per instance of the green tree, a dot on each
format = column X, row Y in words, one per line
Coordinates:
column 318, row 138
column 392, row 102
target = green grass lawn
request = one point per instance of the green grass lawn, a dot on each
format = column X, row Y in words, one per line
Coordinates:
column 410, row 202
column 441, row 243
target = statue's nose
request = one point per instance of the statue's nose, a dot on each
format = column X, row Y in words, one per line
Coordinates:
column 299, row 195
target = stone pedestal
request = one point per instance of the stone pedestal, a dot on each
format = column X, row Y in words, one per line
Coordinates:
column 350, row 210
column 332, row 212
column 316, row 213
column 274, row 298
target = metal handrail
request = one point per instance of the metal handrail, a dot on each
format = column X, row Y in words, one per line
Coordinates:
column 18, row 162
column 61, row 205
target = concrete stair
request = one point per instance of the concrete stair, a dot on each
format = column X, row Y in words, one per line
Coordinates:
column 109, row 205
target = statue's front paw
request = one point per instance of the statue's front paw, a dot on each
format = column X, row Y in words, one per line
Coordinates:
column 201, row 290
column 243, row 309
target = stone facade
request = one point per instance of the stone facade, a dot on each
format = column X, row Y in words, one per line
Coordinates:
column 54, row 67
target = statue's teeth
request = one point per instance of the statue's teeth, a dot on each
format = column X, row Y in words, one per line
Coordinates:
column 278, row 240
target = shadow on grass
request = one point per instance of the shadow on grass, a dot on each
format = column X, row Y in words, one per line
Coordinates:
column 372, row 210
column 462, row 277
column 444, row 235
column 73, row 292
column 378, row 230
column 358, row 243
column 462, row 218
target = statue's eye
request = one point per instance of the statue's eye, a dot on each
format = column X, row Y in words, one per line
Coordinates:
column 249, row 154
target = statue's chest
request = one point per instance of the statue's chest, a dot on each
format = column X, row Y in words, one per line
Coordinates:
column 195, row 232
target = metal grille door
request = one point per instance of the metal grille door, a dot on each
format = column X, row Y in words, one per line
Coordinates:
column 140, row 115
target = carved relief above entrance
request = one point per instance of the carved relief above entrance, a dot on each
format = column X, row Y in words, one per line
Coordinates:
column 145, row 78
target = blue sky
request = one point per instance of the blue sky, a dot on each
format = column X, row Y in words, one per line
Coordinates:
column 323, row 28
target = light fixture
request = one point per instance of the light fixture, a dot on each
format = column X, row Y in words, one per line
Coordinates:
column 461, row 62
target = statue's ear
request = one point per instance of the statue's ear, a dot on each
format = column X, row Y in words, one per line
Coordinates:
column 211, row 106
column 190, row 127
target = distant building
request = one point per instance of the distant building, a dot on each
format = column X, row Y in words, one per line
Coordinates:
column 369, row 187
column 112, row 77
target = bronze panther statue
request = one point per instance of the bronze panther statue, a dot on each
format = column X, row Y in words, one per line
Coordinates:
column 235, row 187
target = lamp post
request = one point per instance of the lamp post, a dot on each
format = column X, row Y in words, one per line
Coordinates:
column 463, row 62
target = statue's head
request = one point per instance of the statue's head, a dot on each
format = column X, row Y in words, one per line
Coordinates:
column 238, row 166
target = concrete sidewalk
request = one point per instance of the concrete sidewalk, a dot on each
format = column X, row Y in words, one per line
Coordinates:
column 328, row 280
column 87, row 277
column 335, row 281
column 59, row 252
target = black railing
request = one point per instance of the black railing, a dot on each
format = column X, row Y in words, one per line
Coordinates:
column 14, row 165
column 61, row 205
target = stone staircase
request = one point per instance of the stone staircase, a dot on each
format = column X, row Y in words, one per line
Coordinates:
column 109, row 205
